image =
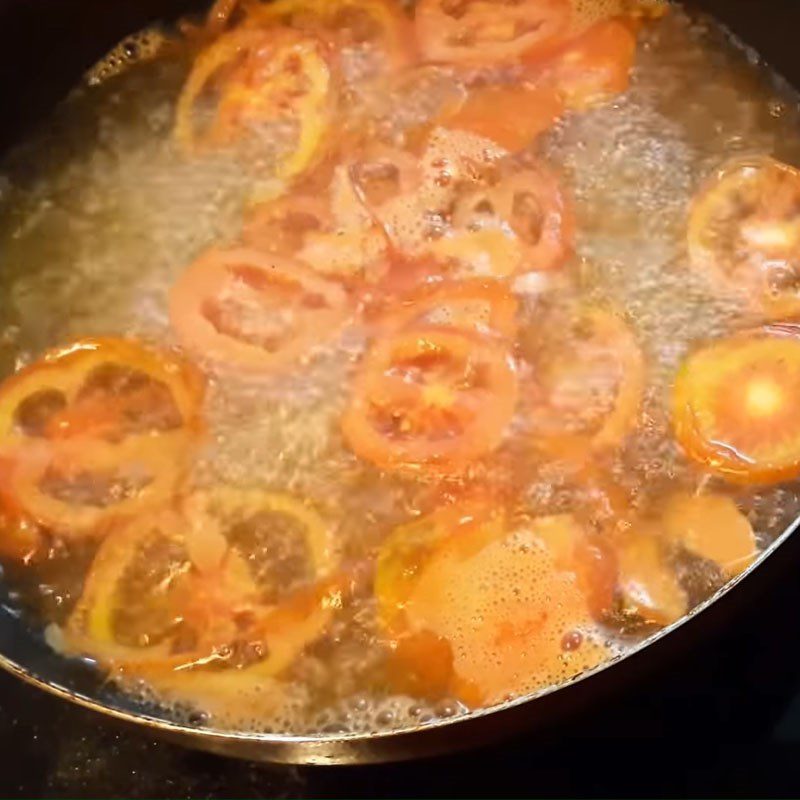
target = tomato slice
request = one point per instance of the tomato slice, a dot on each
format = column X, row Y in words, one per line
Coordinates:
column 493, row 603
column 260, row 78
column 711, row 526
column 529, row 211
column 335, row 236
column 430, row 398
column 481, row 306
column 254, row 312
column 412, row 197
column 370, row 37
column 650, row 589
column 512, row 116
column 744, row 231
column 589, row 381
column 155, row 602
column 594, row 67
column 490, row 31
column 99, row 429
column 733, row 405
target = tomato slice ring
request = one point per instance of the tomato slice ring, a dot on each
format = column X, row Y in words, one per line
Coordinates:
column 66, row 370
column 219, row 599
column 504, row 634
column 733, row 405
column 100, row 408
column 744, row 232
column 588, row 388
column 336, row 237
column 290, row 308
column 530, row 210
column 648, row 584
column 154, row 464
column 430, row 398
column 270, row 75
column 357, row 29
column 487, row 32
column 480, row 306
column 594, row 67
column 711, row 526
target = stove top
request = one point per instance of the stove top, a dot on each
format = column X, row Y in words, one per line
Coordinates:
column 721, row 719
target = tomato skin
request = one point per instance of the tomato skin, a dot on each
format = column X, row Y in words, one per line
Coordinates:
column 272, row 283
column 511, row 116
column 483, row 32
column 733, row 405
column 479, row 414
column 598, row 349
column 592, row 68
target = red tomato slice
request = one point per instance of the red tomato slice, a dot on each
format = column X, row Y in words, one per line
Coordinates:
column 594, row 67
column 512, row 116
column 482, row 306
column 369, row 36
column 734, row 409
column 335, row 235
column 589, row 381
column 744, row 232
column 490, row 31
column 528, row 210
column 430, row 398
column 253, row 311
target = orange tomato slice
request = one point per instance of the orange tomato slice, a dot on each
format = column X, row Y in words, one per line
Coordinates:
column 589, row 381
column 96, row 430
column 490, row 31
column 744, row 232
column 259, row 78
column 711, row 526
column 649, row 586
column 733, row 405
column 254, row 312
column 430, row 398
column 510, row 613
column 154, row 602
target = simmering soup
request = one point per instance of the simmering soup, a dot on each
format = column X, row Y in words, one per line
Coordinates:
column 367, row 364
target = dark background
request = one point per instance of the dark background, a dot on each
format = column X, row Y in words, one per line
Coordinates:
column 718, row 714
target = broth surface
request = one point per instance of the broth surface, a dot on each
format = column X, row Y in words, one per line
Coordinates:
column 99, row 215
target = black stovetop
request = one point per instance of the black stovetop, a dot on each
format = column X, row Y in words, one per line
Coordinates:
column 722, row 718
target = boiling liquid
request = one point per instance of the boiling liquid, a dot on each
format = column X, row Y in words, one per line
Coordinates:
column 100, row 215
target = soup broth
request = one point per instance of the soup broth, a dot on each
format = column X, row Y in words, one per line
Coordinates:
column 442, row 464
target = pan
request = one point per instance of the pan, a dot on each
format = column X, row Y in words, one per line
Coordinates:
column 48, row 45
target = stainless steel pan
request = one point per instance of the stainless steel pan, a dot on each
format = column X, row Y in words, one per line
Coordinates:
column 48, row 44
